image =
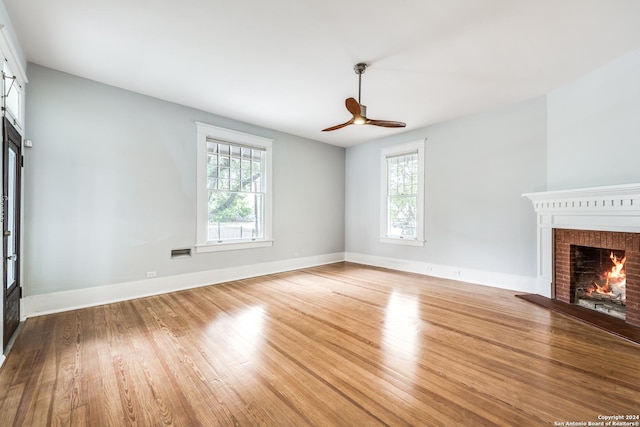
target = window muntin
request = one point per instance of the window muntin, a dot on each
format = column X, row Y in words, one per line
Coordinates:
column 402, row 194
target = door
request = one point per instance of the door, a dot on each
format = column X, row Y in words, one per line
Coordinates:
column 11, row 168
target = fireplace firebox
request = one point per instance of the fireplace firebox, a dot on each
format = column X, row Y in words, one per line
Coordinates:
column 598, row 279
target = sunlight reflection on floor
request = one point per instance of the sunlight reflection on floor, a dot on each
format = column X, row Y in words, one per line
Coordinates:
column 402, row 333
column 240, row 331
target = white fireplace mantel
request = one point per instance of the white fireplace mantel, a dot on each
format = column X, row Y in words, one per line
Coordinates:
column 609, row 208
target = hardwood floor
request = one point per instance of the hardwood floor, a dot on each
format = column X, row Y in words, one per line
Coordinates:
column 342, row 344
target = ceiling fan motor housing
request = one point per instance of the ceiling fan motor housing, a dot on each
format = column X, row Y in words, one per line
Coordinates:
column 362, row 119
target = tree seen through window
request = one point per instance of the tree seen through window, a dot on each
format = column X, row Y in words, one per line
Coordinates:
column 235, row 184
column 402, row 191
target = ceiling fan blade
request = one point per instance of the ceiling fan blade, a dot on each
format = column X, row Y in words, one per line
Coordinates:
column 353, row 106
column 385, row 123
column 340, row 126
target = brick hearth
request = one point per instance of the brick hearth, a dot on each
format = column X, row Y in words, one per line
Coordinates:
column 628, row 242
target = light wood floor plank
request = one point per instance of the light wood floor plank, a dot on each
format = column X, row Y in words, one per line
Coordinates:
column 340, row 344
column 394, row 380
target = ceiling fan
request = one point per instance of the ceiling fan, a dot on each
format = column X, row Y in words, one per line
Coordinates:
column 359, row 111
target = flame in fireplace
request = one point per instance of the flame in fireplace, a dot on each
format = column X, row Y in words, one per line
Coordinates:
column 615, row 281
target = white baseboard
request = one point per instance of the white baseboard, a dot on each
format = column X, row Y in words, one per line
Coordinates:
column 38, row 305
column 480, row 277
column 2, row 359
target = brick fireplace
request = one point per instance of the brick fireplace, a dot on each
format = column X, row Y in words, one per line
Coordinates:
column 564, row 281
column 598, row 217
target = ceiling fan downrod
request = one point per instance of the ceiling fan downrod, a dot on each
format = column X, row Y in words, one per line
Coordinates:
column 359, row 69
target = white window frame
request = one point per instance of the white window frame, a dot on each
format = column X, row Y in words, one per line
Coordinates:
column 204, row 132
column 399, row 150
column 12, row 67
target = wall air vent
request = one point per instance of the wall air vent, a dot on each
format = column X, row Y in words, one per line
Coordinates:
column 180, row 253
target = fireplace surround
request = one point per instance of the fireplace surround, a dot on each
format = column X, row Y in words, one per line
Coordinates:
column 599, row 217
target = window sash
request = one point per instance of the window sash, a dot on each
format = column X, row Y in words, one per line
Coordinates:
column 252, row 228
column 402, row 174
column 402, row 216
column 235, row 168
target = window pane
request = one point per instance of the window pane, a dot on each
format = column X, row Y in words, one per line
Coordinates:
column 212, row 171
column 235, row 174
column 12, row 94
column 245, row 174
column 235, row 216
column 402, row 216
column 402, row 174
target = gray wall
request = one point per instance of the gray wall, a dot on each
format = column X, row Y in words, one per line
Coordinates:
column 110, row 188
column 476, row 169
column 594, row 127
column 586, row 133
column 110, row 182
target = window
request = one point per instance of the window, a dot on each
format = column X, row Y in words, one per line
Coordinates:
column 12, row 95
column 234, row 190
column 402, row 207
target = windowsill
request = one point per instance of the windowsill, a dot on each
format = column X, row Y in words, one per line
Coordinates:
column 232, row 246
column 401, row 241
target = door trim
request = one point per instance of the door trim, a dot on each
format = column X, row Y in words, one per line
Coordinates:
column 11, row 296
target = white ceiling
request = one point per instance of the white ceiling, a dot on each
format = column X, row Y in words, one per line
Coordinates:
column 288, row 64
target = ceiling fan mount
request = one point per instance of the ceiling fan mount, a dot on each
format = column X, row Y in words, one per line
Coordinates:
column 360, row 67
column 359, row 111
